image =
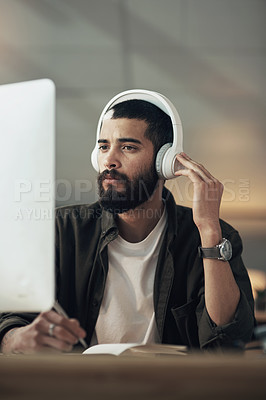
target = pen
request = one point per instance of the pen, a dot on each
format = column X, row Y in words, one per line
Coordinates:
column 61, row 311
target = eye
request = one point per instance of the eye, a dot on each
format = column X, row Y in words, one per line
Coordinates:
column 129, row 148
column 103, row 147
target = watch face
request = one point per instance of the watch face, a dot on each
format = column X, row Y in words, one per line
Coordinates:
column 226, row 250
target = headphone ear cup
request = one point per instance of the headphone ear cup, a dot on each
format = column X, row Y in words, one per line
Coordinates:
column 159, row 159
column 94, row 159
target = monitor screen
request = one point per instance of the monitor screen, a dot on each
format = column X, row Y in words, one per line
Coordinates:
column 27, row 162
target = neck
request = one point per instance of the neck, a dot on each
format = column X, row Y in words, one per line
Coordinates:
column 135, row 225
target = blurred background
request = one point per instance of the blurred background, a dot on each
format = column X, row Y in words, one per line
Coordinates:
column 207, row 56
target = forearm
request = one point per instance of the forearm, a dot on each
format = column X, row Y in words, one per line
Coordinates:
column 221, row 290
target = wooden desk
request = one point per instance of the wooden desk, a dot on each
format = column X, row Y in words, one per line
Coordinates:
column 77, row 377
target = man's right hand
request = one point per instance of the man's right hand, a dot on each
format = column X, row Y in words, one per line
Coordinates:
column 48, row 331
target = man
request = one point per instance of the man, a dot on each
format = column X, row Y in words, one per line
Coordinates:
column 128, row 266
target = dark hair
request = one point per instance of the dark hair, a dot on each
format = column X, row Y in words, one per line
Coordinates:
column 160, row 129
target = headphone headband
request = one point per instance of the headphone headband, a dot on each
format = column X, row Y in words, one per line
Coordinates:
column 165, row 168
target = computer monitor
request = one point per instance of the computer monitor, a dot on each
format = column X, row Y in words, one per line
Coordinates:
column 27, row 163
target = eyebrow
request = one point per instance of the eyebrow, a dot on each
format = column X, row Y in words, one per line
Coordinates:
column 122, row 140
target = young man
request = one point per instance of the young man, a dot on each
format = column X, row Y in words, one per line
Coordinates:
column 128, row 266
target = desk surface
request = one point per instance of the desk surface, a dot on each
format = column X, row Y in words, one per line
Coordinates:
column 74, row 377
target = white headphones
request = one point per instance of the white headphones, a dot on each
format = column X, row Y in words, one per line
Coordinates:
column 165, row 158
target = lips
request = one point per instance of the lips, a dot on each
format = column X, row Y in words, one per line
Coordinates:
column 110, row 180
column 111, row 174
column 110, row 177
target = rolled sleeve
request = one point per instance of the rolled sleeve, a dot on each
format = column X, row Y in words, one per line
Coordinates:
column 238, row 331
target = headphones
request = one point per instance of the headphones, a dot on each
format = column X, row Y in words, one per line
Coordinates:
column 166, row 156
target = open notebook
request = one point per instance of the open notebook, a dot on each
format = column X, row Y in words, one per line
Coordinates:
column 138, row 349
column 146, row 348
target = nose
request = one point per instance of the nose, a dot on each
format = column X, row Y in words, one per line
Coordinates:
column 110, row 160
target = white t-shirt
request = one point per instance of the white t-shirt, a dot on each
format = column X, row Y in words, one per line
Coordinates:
column 127, row 310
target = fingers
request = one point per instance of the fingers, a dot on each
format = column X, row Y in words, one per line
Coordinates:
column 63, row 325
column 55, row 343
column 207, row 194
column 64, row 333
column 195, row 171
column 199, row 176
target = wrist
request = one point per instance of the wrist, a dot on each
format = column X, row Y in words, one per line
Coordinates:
column 210, row 236
column 7, row 341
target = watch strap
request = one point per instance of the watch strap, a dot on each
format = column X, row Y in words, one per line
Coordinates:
column 209, row 252
column 222, row 251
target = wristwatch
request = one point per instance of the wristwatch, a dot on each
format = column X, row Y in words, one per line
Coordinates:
column 222, row 251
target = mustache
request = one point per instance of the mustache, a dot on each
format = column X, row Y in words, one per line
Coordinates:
column 113, row 174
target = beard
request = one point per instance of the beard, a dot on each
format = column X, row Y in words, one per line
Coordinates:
column 134, row 193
